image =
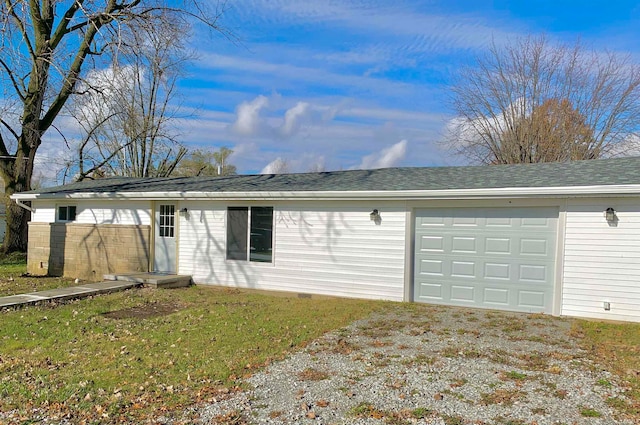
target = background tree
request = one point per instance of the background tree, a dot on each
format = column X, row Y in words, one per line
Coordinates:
column 531, row 101
column 127, row 112
column 202, row 162
column 45, row 48
column 553, row 132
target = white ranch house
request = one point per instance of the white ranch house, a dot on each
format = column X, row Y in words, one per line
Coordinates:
column 560, row 238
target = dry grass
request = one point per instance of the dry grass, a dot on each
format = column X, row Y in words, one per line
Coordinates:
column 311, row 374
column 617, row 345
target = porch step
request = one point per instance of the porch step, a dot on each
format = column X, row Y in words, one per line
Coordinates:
column 153, row 279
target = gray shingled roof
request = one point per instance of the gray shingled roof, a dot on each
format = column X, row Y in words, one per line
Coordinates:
column 617, row 171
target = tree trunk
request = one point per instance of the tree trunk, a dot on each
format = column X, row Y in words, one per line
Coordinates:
column 19, row 180
column 15, row 238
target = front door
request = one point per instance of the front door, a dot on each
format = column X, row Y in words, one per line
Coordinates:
column 164, row 259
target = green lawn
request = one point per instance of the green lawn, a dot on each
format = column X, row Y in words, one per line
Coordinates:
column 132, row 354
column 13, row 278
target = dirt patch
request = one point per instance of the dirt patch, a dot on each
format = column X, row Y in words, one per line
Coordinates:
column 146, row 311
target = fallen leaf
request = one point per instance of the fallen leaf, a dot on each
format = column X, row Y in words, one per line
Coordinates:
column 322, row 403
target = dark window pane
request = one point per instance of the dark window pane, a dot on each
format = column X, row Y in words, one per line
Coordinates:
column 62, row 213
column 261, row 234
column 71, row 216
column 237, row 223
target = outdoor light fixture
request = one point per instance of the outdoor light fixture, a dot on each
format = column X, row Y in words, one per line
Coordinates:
column 375, row 215
column 610, row 214
column 184, row 211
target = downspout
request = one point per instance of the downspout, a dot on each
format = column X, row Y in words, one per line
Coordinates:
column 21, row 204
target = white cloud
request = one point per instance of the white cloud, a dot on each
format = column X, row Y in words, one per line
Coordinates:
column 261, row 117
column 295, row 117
column 277, row 166
column 248, row 121
column 629, row 146
column 387, row 157
column 304, row 163
column 428, row 31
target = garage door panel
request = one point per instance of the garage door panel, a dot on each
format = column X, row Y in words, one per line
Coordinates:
column 464, row 221
column 495, row 296
column 431, row 267
column 488, row 257
column 429, row 291
column 464, row 269
column 497, row 271
column 431, row 243
column 537, row 246
column 536, row 222
column 427, row 221
column 531, row 299
column 479, row 269
column 463, row 293
column 534, row 273
column 497, row 246
column 463, row 244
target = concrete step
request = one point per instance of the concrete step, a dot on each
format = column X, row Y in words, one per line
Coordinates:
column 152, row 279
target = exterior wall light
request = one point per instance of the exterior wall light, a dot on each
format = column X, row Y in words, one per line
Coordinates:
column 184, row 211
column 610, row 214
column 375, row 217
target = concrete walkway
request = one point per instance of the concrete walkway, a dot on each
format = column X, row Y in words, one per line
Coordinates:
column 61, row 294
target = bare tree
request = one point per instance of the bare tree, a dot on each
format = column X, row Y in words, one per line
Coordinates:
column 206, row 163
column 531, row 100
column 45, row 48
column 127, row 112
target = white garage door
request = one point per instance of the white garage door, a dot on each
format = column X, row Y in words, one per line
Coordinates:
column 501, row 258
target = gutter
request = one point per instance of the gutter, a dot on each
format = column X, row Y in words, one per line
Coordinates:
column 21, row 204
column 511, row 192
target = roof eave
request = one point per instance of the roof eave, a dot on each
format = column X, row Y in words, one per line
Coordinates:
column 518, row 192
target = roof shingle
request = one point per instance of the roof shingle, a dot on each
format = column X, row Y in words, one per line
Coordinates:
column 615, row 171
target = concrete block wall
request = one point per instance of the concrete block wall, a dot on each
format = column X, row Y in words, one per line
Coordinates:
column 87, row 251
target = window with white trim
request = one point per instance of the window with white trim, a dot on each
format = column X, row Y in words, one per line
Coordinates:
column 250, row 234
column 167, row 221
column 66, row 213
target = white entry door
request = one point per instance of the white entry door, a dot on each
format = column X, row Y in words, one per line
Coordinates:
column 164, row 259
column 500, row 258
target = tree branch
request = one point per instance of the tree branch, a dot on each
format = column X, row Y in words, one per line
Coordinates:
column 20, row 91
column 62, row 28
column 23, row 29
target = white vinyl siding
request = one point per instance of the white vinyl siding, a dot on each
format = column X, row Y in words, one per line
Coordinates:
column 45, row 212
column 319, row 248
column 114, row 212
column 602, row 261
column 96, row 212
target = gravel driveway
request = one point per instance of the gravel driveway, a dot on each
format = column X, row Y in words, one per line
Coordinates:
column 417, row 364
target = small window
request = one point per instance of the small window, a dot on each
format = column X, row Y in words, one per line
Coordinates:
column 250, row 234
column 67, row 213
column 167, row 224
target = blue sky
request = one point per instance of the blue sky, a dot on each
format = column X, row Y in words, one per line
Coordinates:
column 363, row 83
